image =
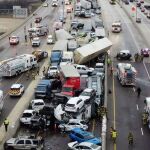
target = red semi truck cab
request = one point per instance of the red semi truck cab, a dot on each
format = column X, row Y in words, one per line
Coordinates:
column 70, row 79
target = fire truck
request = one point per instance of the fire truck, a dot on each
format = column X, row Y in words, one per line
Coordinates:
column 126, row 74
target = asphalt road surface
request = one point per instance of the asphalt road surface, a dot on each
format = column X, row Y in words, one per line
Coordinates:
column 49, row 15
column 124, row 108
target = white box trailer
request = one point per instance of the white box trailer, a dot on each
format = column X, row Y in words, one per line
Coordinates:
column 60, row 45
column 1, row 101
column 91, row 51
column 100, row 32
column 63, row 35
column 17, row 65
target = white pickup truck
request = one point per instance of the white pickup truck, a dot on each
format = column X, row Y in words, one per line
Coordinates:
column 25, row 142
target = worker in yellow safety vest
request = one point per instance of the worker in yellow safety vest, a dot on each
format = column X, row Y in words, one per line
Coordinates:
column 114, row 135
column 6, row 123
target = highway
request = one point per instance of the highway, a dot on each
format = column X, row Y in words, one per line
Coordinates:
column 49, row 15
column 124, row 108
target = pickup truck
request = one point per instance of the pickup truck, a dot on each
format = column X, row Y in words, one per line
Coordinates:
column 24, row 142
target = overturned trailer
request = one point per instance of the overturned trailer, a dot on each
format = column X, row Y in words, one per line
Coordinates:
column 90, row 51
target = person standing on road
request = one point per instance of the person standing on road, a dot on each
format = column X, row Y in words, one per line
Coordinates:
column 130, row 138
column 138, row 92
column 25, row 37
column 6, row 123
column 114, row 135
column 111, row 70
column 111, row 131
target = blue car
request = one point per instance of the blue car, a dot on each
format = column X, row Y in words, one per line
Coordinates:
column 79, row 135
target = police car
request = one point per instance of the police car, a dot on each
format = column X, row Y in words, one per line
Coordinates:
column 16, row 90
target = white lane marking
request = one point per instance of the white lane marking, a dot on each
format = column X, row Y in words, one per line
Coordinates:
column 142, row 131
column 146, row 70
column 137, row 106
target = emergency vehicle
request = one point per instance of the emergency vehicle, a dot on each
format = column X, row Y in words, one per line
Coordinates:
column 116, row 27
column 147, row 109
column 16, row 90
column 126, row 74
column 17, row 65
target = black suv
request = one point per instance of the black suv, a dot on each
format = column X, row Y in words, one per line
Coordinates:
column 124, row 55
column 78, row 26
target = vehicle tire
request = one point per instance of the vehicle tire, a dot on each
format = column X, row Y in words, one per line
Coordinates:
column 33, row 149
column 10, row 148
column 16, row 74
column 33, row 66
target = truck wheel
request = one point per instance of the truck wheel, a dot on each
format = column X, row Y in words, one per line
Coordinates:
column 10, row 148
column 33, row 148
column 16, row 74
column 33, row 66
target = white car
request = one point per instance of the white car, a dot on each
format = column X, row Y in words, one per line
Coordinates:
column 26, row 117
column 45, row 5
column 36, row 41
column 37, row 104
column 53, row 70
column 99, row 67
column 14, row 40
column 67, row 2
column 83, row 146
column 82, row 69
column 50, row 39
column 16, row 90
column 73, row 123
column 74, row 104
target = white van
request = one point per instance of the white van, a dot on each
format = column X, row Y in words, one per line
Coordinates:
column 116, row 27
column 1, row 101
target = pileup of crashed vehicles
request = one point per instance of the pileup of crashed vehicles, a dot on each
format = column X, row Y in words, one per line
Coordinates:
column 72, row 88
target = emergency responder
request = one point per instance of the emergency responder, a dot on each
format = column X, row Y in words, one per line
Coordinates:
column 6, row 123
column 114, row 135
column 44, row 71
column 130, row 138
column 33, row 75
column 38, row 70
column 138, row 92
column 145, row 118
column 142, row 57
column 111, row 130
column 102, row 113
column 136, row 57
column 27, row 75
column 25, row 37
column 111, row 70
column 108, row 62
column 98, row 112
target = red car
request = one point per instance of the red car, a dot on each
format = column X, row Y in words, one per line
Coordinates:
column 145, row 52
